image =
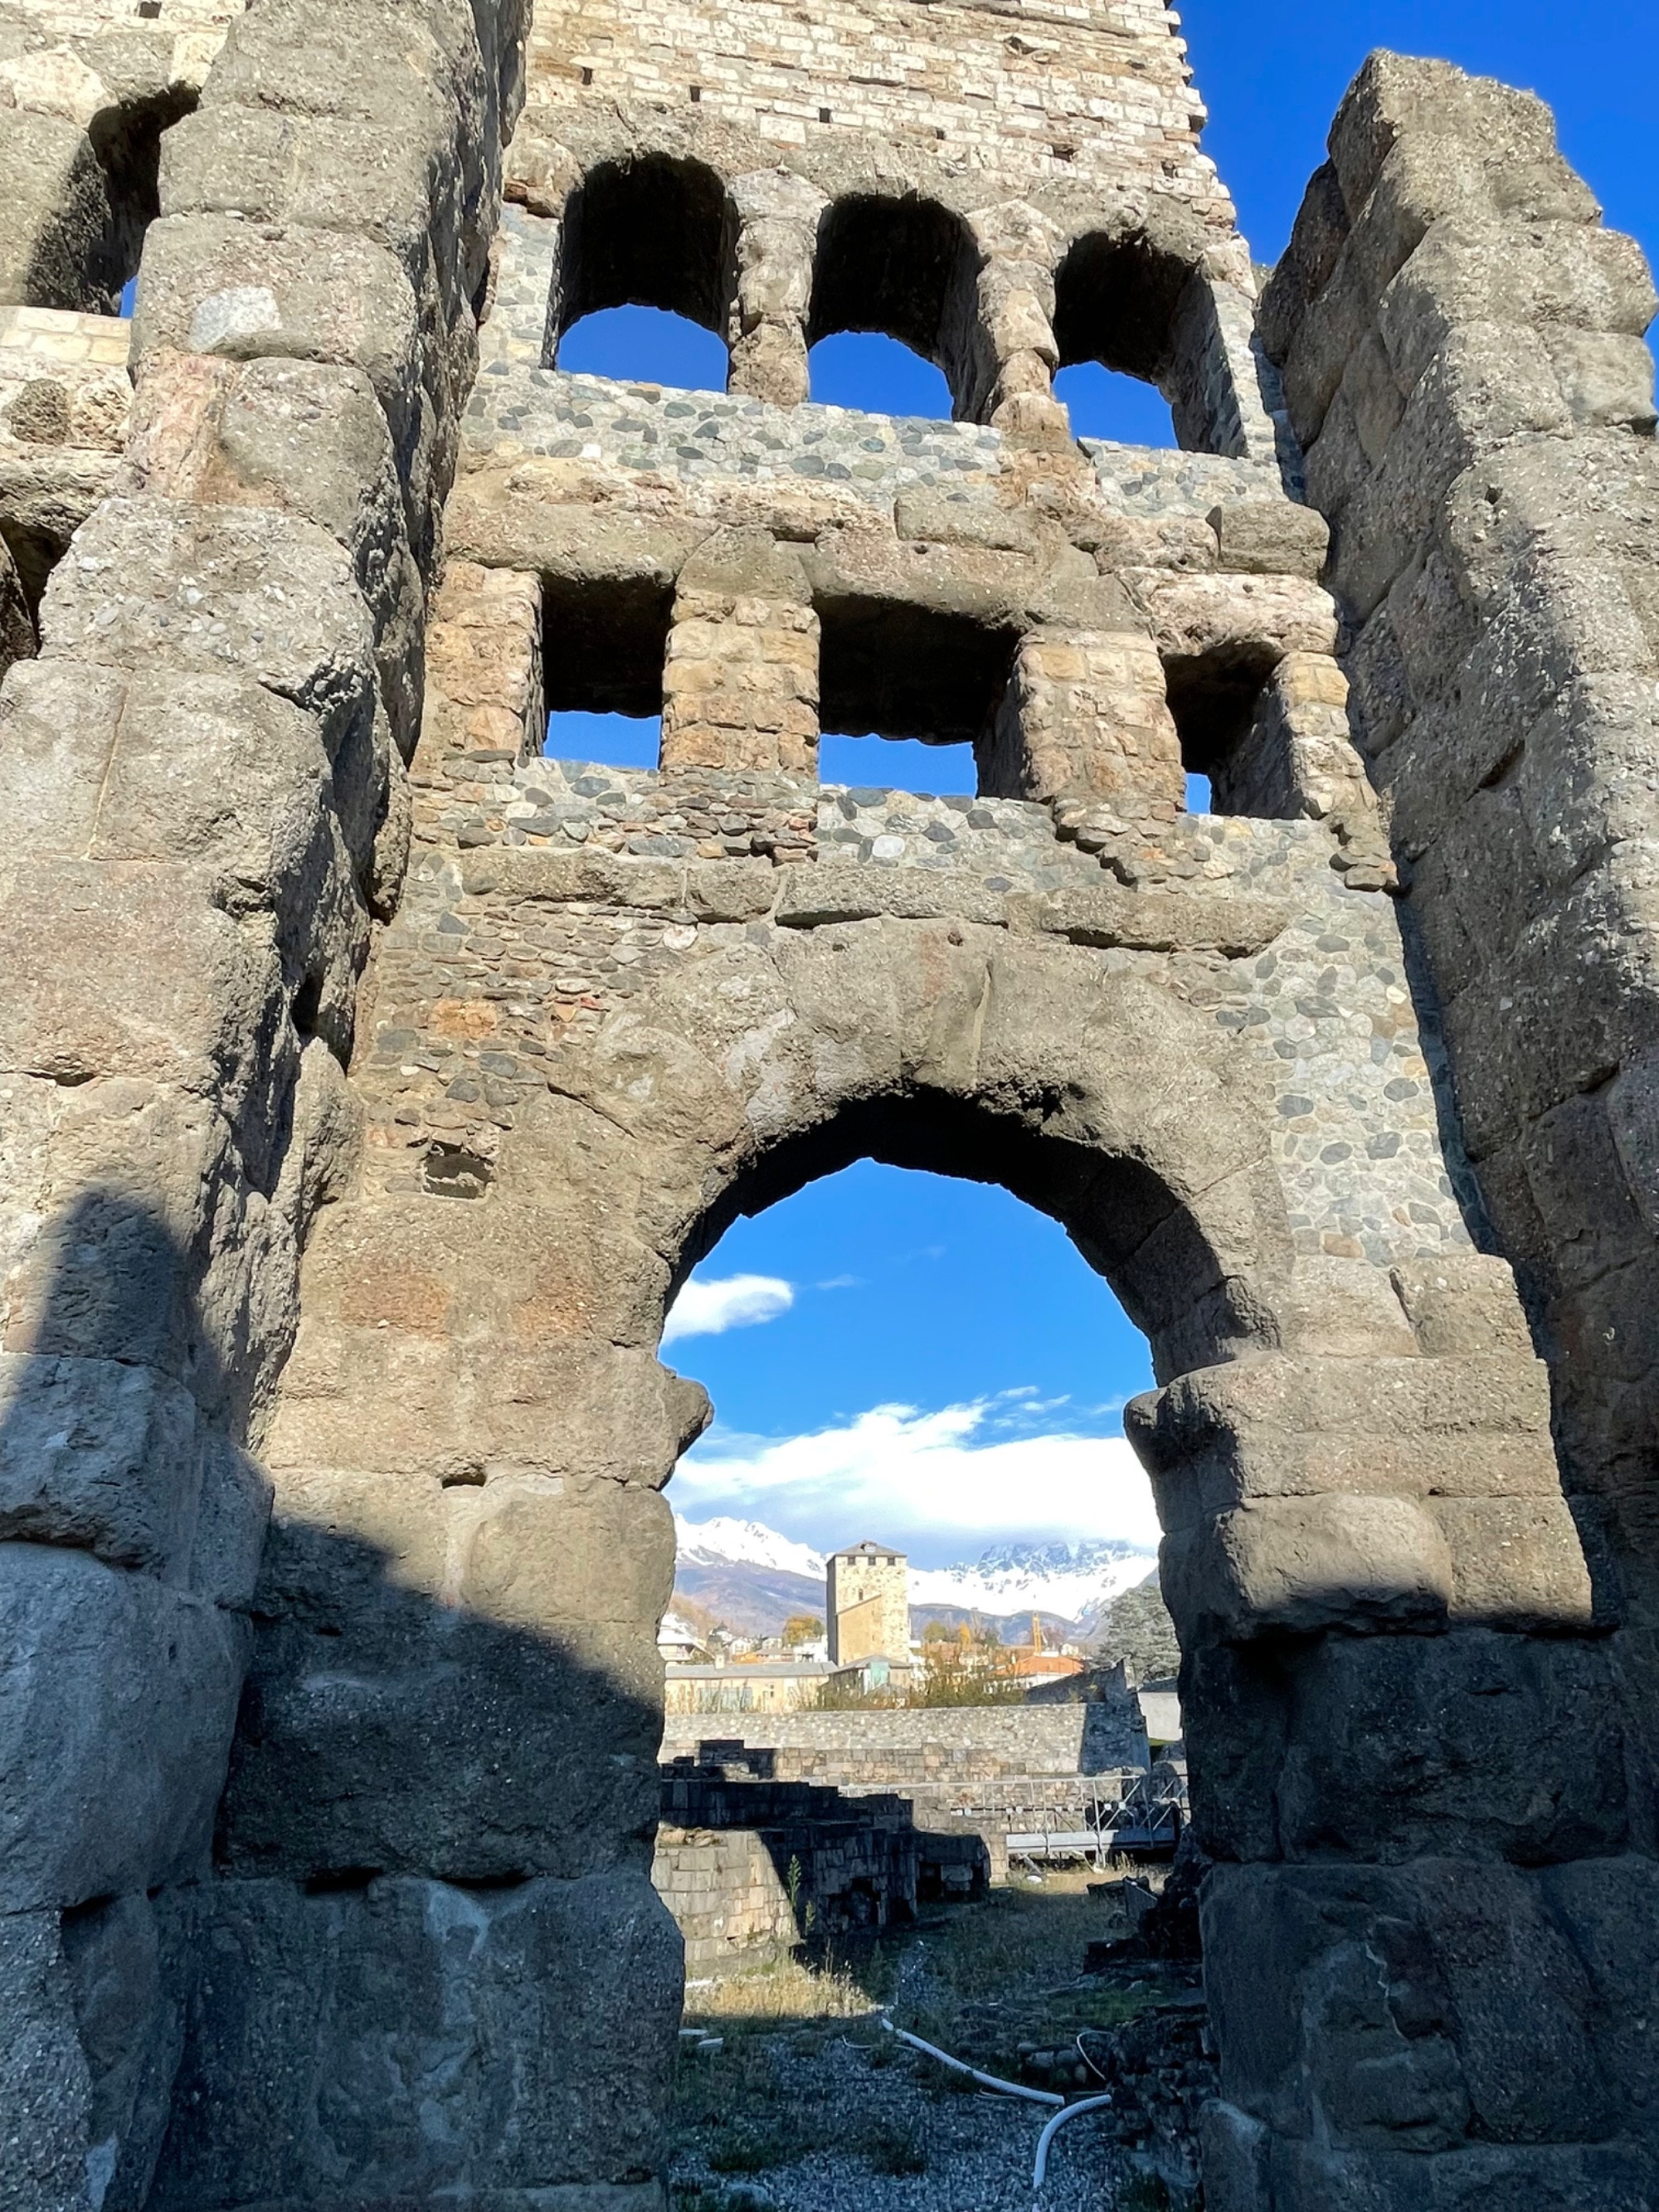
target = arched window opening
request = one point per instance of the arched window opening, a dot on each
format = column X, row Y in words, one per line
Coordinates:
column 877, row 375
column 603, row 651
column 903, row 268
column 888, row 671
column 81, row 208
column 655, row 233
column 925, row 1362
column 1103, row 403
column 645, row 345
column 1117, row 305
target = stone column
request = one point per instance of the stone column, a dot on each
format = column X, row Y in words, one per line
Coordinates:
column 1016, row 354
column 1462, row 349
column 777, row 235
column 740, row 689
column 1085, row 717
column 1297, row 758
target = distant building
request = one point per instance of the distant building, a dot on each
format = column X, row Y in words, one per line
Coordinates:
column 757, row 1685
column 677, row 1639
column 867, row 1603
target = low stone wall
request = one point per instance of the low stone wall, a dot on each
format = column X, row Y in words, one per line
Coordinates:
column 936, row 1744
column 750, row 1868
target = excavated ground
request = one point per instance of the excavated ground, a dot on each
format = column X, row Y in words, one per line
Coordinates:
column 792, row 2097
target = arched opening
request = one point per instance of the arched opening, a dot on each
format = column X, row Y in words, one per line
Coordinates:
column 1117, row 301
column 918, row 1383
column 651, row 239
column 926, row 1354
column 645, row 345
column 877, row 375
column 1118, row 409
column 901, row 268
column 82, row 202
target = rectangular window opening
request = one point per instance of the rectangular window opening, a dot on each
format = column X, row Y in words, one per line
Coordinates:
column 604, row 646
column 925, row 682
column 1228, row 748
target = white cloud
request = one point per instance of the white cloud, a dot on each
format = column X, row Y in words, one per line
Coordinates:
column 937, row 1483
column 710, row 1308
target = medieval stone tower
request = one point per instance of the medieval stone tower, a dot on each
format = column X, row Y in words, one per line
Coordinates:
column 867, row 1604
column 369, row 1083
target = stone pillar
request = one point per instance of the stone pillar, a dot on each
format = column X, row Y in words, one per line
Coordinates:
column 205, row 749
column 1462, row 350
column 1405, row 1755
column 777, row 235
column 740, row 688
column 1016, row 354
column 1085, row 717
column 485, row 704
column 1297, row 758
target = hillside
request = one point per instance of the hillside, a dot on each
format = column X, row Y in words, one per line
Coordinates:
column 751, row 1579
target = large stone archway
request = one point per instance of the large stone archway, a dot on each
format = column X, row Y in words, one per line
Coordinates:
column 1350, row 1448
column 371, row 1080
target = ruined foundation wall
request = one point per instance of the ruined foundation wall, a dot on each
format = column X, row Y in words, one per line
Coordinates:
column 975, row 1744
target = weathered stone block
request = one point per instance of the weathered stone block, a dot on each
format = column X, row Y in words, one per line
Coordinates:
column 231, row 1515
column 1270, row 538
column 378, row 2041
column 1517, row 1562
column 310, row 439
column 1475, row 1743
column 248, row 292
column 1303, row 1564
column 140, row 978
column 405, row 1619
column 44, row 2079
column 199, row 587
column 55, row 216
column 1406, row 2008
column 99, row 1456
column 118, row 1699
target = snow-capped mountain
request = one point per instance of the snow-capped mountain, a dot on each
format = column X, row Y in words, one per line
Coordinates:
column 745, row 1574
column 753, row 1578
column 1067, row 1580
column 726, row 1542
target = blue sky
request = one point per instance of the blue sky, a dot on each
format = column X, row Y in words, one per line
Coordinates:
column 900, row 1356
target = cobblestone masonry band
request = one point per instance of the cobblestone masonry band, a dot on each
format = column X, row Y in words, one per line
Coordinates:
column 370, row 1081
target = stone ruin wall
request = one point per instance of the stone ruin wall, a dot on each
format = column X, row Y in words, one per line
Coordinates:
column 372, row 1082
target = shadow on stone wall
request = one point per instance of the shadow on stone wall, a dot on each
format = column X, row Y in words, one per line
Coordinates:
column 411, row 1943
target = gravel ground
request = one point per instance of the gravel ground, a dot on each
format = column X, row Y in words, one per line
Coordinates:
column 792, row 2098
column 976, row 2150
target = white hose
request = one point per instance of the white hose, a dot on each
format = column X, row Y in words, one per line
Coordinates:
column 1071, row 2111
column 985, row 2081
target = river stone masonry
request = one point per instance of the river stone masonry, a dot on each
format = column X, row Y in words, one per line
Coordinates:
column 372, row 1082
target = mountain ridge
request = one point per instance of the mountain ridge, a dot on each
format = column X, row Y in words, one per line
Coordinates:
column 753, row 1578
